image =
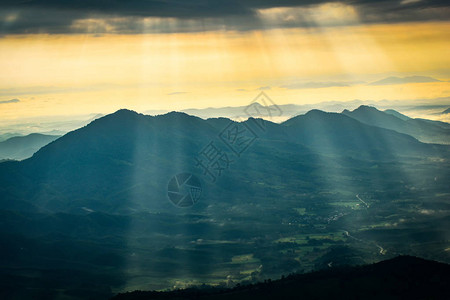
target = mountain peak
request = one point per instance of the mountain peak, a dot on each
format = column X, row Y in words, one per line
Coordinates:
column 118, row 117
column 177, row 116
column 124, row 112
column 315, row 112
column 121, row 114
column 365, row 112
column 366, row 108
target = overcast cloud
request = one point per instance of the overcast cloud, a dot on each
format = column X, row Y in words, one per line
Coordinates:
column 150, row 16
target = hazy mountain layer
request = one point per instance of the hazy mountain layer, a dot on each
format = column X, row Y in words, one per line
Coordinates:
column 21, row 147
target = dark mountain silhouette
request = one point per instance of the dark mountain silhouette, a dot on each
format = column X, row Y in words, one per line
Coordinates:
column 128, row 155
column 101, row 161
column 337, row 132
column 424, row 130
column 403, row 277
column 21, row 147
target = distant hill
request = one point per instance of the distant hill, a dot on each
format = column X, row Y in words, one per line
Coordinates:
column 424, row 130
column 447, row 111
column 401, row 80
column 288, row 110
column 8, row 135
column 21, row 147
column 403, row 277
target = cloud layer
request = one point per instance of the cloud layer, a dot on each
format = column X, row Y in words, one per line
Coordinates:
column 148, row 16
column 318, row 85
column 9, row 101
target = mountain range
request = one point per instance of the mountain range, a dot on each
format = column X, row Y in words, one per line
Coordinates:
column 424, row 130
column 127, row 153
column 89, row 214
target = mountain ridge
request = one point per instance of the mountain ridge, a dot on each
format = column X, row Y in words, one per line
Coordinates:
column 424, row 130
column 402, row 277
column 22, row 147
column 105, row 155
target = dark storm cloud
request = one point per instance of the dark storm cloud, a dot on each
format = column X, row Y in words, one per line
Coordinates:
column 102, row 16
column 147, row 8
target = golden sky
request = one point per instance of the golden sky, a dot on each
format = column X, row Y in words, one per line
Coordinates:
column 79, row 74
